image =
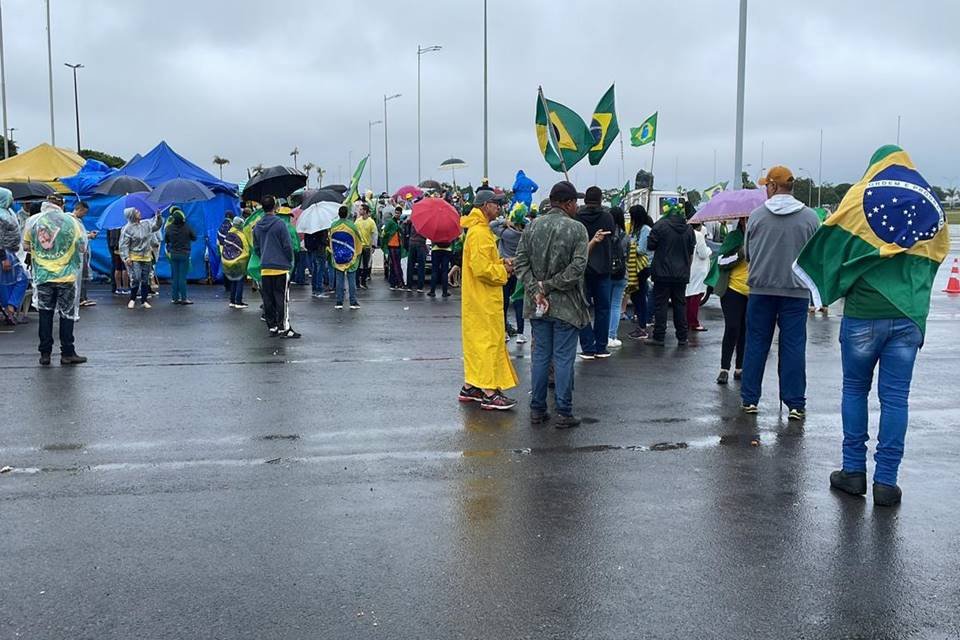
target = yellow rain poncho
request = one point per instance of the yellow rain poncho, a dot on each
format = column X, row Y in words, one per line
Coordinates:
column 486, row 363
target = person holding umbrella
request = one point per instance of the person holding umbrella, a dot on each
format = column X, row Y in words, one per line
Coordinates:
column 138, row 239
column 271, row 241
column 178, row 239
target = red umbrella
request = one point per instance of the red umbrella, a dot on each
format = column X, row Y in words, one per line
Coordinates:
column 436, row 220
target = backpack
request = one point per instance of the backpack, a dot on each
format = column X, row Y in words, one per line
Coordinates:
column 619, row 255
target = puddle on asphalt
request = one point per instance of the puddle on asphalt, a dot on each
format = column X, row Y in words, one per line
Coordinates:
column 63, row 446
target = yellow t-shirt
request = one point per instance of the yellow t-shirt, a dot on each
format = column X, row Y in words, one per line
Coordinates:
column 273, row 272
column 367, row 229
column 738, row 278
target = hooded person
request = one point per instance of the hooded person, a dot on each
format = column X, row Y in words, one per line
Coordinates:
column 13, row 277
column 56, row 242
column 138, row 239
column 486, row 363
column 179, row 238
column 234, row 255
column 523, row 190
column 600, row 228
column 672, row 242
column 273, row 244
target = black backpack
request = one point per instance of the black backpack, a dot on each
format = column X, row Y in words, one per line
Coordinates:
column 619, row 254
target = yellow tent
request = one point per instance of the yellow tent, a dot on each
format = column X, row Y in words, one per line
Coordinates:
column 43, row 163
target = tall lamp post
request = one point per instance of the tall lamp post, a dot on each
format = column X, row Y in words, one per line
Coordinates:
column 486, row 156
column 76, row 99
column 809, row 186
column 3, row 93
column 53, row 135
column 741, row 64
column 420, row 52
column 370, row 147
column 386, row 148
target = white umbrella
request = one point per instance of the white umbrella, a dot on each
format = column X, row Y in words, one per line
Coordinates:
column 317, row 217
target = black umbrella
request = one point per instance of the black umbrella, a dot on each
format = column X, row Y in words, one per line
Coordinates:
column 320, row 195
column 430, row 184
column 28, row 190
column 121, row 186
column 276, row 181
column 339, row 188
column 180, row 191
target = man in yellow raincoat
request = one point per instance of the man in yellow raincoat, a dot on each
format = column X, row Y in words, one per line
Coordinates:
column 487, row 369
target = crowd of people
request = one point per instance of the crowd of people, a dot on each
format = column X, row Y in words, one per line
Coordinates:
column 568, row 271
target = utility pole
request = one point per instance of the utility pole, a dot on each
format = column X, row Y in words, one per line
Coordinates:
column 3, row 92
column 898, row 131
column 370, row 147
column 820, row 170
column 53, row 135
column 420, row 52
column 386, row 148
column 741, row 64
column 76, row 99
column 486, row 153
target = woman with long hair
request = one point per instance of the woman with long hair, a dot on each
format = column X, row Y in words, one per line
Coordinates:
column 620, row 247
column 733, row 292
column 638, row 269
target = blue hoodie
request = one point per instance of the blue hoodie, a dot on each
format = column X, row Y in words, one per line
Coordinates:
column 271, row 241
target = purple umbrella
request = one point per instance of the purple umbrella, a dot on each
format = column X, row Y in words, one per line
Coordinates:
column 113, row 218
column 730, row 205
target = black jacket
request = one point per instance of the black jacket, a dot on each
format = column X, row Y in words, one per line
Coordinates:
column 595, row 217
column 672, row 240
column 179, row 237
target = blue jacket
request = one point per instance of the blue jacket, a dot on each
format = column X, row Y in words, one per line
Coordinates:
column 271, row 241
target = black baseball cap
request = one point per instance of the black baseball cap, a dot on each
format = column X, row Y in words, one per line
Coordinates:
column 564, row 191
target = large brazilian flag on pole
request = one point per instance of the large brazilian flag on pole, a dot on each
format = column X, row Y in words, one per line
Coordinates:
column 603, row 126
column 568, row 139
column 889, row 230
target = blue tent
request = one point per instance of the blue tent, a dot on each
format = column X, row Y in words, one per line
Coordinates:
column 159, row 165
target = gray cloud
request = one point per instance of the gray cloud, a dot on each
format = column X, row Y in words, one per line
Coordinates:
column 252, row 80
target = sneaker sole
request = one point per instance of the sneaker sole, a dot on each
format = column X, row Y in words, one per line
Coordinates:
column 469, row 399
column 488, row 407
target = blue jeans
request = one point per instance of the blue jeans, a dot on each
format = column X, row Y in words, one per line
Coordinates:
column 764, row 314
column 863, row 343
column 593, row 338
column 556, row 341
column 299, row 267
column 236, row 291
column 342, row 279
column 617, row 287
column 179, row 266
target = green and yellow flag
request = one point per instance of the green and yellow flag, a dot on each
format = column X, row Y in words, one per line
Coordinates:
column 354, row 191
column 709, row 192
column 573, row 138
column 645, row 133
column 603, row 126
column 889, row 231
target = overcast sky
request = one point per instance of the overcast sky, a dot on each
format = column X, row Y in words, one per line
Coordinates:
column 252, row 80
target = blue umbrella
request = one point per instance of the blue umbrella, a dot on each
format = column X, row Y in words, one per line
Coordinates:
column 113, row 218
column 180, row 190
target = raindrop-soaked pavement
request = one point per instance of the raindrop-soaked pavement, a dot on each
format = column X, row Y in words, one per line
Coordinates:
column 199, row 479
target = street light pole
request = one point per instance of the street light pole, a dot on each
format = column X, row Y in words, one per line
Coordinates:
column 809, row 186
column 386, row 148
column 370, row 147
column 76, row 99
column 3, row 92
column 53, row 135
column 741, row 64
column 486, row 153
column 420, row 52
column 820, row 170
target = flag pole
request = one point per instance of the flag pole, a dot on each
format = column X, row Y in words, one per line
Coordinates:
column 552, row 137
column 623, row 164
column 653, row 157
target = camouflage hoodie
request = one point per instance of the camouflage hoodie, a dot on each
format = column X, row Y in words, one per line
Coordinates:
column 553, row 250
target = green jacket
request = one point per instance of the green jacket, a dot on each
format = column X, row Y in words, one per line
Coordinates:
column 553, row 251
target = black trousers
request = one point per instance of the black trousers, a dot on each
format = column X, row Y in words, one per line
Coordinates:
column 734, row 307
column 366, row 258
column 275, row 292
column 56, row 298
column 668, row 293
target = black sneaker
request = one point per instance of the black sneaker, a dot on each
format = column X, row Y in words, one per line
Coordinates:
column 567, row 422
column 852, row 482
column 724, row 377
column 432, row 294
column 511, row 330
column 290, row 334
column 473, row 394
column 73, row 359
column 539, row 417
column 654, row 342
column 45, row 359
column 797, row 414
column 497, row 402
column 602, row 354
column 886, row 495
column 185, row 301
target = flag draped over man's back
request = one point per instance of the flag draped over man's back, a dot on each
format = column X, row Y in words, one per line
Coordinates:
column 889, row 230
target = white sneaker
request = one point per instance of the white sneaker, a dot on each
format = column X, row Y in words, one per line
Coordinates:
column 613, row 343
column 146, row 305
column 131, row 304
column 521, row 339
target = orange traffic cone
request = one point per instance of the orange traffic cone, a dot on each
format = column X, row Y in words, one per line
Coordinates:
column 953, row 285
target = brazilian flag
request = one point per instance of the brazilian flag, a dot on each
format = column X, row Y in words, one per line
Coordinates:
column 573, row 138
column 889, row 232
column 603, row 126
column 345, row 244
column 645, row 133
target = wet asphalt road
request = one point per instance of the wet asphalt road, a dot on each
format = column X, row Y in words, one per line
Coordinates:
column 199, row 480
